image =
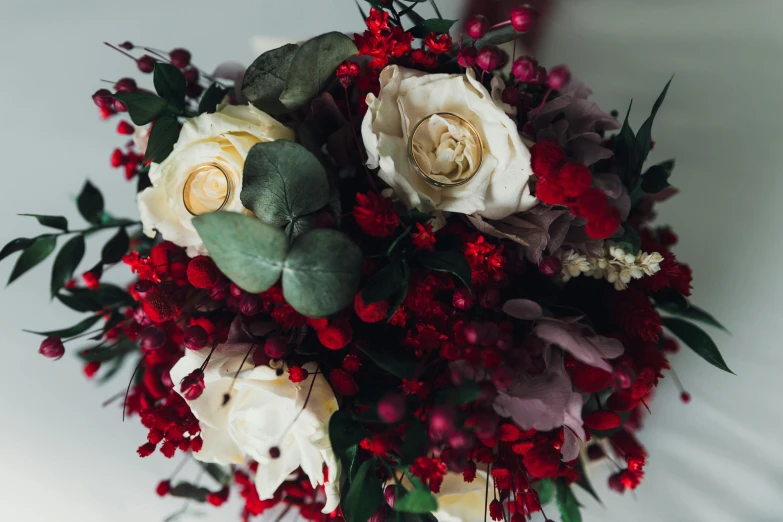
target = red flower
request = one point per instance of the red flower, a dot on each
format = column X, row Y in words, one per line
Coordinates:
column 637, row 316
column 91, row 368
column 424, row 239
column 496, row 510
column 603, row 225
column 438, row 44
column 542, row 461
column 352, row 363
column 469, row 475
column 375, row 214
column 430, row 470
column 502, row 478
column 370, row 313
column 546, row 158
column 346, row 73
column 424, row 59
column 377, row 21
column 399, row 42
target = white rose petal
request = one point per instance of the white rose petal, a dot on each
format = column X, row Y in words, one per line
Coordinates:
column 223, row 139
column 499, row 188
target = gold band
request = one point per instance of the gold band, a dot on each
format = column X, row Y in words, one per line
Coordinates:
column 195, row 207
column 462, row 122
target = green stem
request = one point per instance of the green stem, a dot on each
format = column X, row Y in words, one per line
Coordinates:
column 437, row 11
column 120, row 223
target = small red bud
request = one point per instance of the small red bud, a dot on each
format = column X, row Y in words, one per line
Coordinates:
column 52, row 347
column 102, row 98
column 193, row 90
column 127, row 45
column 525, row 69
column 297, row 374
column 274, row 452
column 163, row 489
column 595, row 452
column 466, row 58
column 180, row 58
column 558, row 77
column 146, row 63
column 123, row 127
column 685, row 397
column 118, row 159
column 250, row 305
column 390, row 494
column 195, row 337
column 119, row 106
column 192, row 385
column 477, row 27
column 191, row 74
column 276, row 347
column 616, row 483
column 489, row 58
column 125, row 85
column 152, row 338
column 91, row 368
column 511, row 96
column 523, row 18
column 142, row 288
column 550, row 266
column 391, row 408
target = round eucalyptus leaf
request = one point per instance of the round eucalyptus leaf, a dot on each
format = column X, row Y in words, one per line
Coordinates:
column 282, row 182
column 251, row 253
column 265, row 78
column 322, row 272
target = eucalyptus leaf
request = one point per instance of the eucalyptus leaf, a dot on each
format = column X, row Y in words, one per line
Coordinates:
column 211, row 98
column 90, row 203
column 419, row 500
column 264, row 80
column 114, row 250
column 566, row 502
column 32, row 255
column 698, row 340
column 71, row 331
column 432, row 25
column 313, row 65
column 15, row 245
column 282, row 182
column 58, row 222
column 451, row 261
column 163, row 136
column 66, row 262
column 169, row 83
column 249, row 252
column 322, row 272
column 143, row 107
column 364, row 494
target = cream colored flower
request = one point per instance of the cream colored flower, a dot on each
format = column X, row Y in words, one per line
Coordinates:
column 265, row 410
column 447, row 150
column 210, row 153
column 616, row 266
column 460, row 501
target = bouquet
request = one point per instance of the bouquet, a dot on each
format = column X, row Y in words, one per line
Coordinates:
column 397, row 276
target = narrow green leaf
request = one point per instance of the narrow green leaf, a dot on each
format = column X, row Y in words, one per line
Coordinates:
column 451, row 261
column 566, row 502
column 364, row 494
column 657, row 177
column 432, row 25
column 66, row 262
column 211, row 98
column 15, row 245
column 624, row 149
column 169, row 83
column 189, row 491
column 322, row 272
column 58, row 222
column 694, row 313
column 395, row 364
column 644, row 136
column 584, row 480
column 396, row 299
column 143, row 107
column 419, row 500
column 546, row 490
column 90, row 203
column 264, row 80
column 116, row 248
column 344, row 432
column 163, row 136
column 312, row 67
column 250, row 252
column 698, row 340
column 385, row 283
column 78, row 303
column 35, row 253
column 76, row 329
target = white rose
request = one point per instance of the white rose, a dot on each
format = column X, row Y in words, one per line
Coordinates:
column 265, row 410
column 460, row 501
column 223, row 139
column 499, row 188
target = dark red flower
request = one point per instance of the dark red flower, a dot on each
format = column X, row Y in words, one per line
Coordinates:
column 378, row 21
column 542, row 461
column 375, row 214
column 438, row 44
column 424, row 239
column 342, row 382
column 546, row 158
column 636, row 315
column 370, row 313
column 430, row 470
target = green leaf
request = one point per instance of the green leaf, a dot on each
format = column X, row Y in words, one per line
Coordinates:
column 116, row 248
column 76, row 329
column 15, row 245
column 464, row 394
column 143, row 107
column 344, row 432
column 566, row 502
column 221, row 474
column 364, row 495
column 90, row 203
column 414, row 444
column 265, row 79
column 35, row 253
column 386, row 282
column 432, row 25
column 546, row 490
column 395, row 301
column 163, row 136
column 629, row 240
column 58, row 222
column 312, row 67
column 211, row 98
column 698, row 340
column 250, row 252
column 189, row 491
column 657, row 177
column 106, row 353
column 693, row 312
column 624, row 150
column 584, row 481
column 170, row 84
column 644, row 136
column 282, row 182
column 419, row 500
column 322, row 272
column 65, row 263
column 451, row 261
column 396, row 364
column 86, row 300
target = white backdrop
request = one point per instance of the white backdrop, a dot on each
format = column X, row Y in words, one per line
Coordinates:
column 718, row 459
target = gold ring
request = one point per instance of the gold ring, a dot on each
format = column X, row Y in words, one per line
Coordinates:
column 464, row 123
column 204, row 174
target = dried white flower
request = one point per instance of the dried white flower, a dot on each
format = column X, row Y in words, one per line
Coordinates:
column 616, row 266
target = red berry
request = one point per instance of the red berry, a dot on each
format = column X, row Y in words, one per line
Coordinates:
column 489, row 58
column 574, row 178
column 601, row 420
column 123, row 127
column 102, row 98
column 125, row 85
column 146, row 63
column 163, row 489
column 276, row 347
column 342, row 383
column 297, row 374
column 202, row 272
column 546, row 158
column 52, row 347
column 523, row 18
column 550, row 266
column 195, row 337
column 335, row 336
column 558, row 77
column 477, row 27
column 180, row 58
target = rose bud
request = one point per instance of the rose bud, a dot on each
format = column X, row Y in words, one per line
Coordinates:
column 558, row 77
column 378, row 516
column 52, row 347
column 102, row 98
column 525, row 69
column 125, row 85
column 473, row 332
column 441, row 421
column 477, row 27
column 146, row 63
column 119, row 106
column 550, row 266
column 250, row 305
column 390, row 494
column 152, row 338
column 391, row 408
column 523, row 18
column 489, row 58
column 462, row 299
column 180, row 58
column 466, row 58
column 195, row 337
column 127, row 45
column 461, row 440
column 192, row 385
column 276, row 347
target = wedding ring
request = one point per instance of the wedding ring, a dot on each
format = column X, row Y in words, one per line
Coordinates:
column 201, row 177
column 462, row 122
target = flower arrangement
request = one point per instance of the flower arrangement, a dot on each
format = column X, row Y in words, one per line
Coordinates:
column 391, row 276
